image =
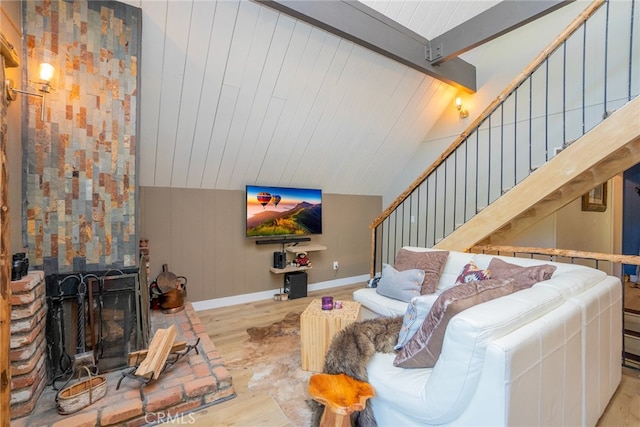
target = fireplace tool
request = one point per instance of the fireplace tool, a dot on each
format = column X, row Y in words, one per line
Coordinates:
column 65, row 359
column 70, row 364
column 82, row 356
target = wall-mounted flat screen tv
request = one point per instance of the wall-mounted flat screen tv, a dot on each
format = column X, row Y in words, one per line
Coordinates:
column 282, row 211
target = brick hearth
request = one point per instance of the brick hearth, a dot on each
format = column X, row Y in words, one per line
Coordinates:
column 195, row 381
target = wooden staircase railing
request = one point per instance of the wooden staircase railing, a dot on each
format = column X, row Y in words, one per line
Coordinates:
column 440, row 216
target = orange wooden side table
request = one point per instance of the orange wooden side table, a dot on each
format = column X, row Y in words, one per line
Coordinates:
column 341, row 396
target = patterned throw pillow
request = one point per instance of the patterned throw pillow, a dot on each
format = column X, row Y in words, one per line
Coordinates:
column 471, row 273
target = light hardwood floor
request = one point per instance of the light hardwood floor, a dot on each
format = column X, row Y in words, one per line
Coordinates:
column 227, row 328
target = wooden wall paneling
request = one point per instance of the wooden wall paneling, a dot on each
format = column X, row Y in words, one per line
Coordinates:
column 264, row 143
column 266, row 111
column 192, row 91
column 219, row 135
column 243, row 33
column 313, row 64
column 297, row 66
column 153, row 17
column 279, row 150
column 357, row 65
column 251, row 102
column 409, row 125
column 295, row 51
column 207, row 113
column 173, row 68
column 371, row 104
column 343, row 69
column 406, row 11
column 302, row 118
column 303, row 157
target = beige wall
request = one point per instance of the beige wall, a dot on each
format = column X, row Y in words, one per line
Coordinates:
column 200, row 235
column 572, row 228
column 587, row 231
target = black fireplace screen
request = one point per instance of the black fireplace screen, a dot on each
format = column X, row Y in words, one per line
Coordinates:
column 92, row 316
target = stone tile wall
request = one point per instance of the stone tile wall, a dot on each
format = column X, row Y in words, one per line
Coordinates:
column 80, row 162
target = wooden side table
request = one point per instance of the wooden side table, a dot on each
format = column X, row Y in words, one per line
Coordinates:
column 341, row 396
column 317, row 328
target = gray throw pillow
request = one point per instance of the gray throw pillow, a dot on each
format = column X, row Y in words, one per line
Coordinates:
column 400, row 285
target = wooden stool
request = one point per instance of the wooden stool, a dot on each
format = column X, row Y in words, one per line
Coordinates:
column 341, row 395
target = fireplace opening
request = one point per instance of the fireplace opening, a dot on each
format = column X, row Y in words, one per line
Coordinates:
column 93, row 318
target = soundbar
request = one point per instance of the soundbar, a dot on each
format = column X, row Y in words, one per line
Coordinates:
column 283, row 240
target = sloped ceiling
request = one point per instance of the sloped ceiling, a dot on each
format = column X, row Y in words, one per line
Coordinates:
column 235, row 93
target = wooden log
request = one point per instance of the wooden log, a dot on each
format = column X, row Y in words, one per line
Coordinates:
column 136, row 357
column 158, row 352
column 565, row 253
column 5, row 276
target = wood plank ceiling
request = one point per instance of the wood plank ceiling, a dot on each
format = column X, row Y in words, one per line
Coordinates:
column 235, row 93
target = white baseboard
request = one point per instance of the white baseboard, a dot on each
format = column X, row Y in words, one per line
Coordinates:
column 263, row 295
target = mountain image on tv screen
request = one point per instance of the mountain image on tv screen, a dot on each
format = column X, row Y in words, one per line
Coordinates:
column 280, row 211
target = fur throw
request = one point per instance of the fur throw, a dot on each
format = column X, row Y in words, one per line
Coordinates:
column 350, row 352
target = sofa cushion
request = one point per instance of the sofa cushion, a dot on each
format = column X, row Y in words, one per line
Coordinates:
column 417, row 311
column 379, row 304
column 524, row 277
column 423, row 349
column 470, row 272
column 400, row 285
column 431, row 263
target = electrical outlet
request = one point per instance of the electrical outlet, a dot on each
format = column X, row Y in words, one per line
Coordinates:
column 335, row 265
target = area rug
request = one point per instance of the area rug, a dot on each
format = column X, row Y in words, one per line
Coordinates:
column 273, row 354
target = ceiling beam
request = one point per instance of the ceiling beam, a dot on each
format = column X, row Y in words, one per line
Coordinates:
column 493, row 22
column 366, row 27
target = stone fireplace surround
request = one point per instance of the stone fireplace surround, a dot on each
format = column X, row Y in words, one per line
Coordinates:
column 197, row 380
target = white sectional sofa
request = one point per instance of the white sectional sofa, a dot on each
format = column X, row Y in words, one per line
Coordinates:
column 549, row 355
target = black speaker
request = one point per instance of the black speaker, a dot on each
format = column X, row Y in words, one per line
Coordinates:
column 279, row 259
column 295, row 284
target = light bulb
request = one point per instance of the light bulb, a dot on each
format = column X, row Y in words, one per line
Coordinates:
column 46, row 72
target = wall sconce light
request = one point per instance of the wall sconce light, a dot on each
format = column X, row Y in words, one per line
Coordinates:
column 46, row 74
column 463, row 113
